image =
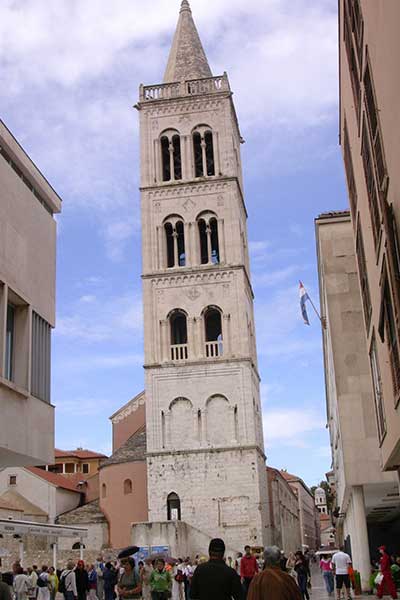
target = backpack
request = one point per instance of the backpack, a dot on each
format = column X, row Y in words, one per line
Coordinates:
column 61, row 585
column 41, row 582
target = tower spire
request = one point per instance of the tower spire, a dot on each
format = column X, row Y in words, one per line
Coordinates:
column 187, row 59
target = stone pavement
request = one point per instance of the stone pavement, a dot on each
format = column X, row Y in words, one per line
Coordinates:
column 318, row 591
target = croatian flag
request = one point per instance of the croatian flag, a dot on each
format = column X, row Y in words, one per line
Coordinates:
column 303, row 299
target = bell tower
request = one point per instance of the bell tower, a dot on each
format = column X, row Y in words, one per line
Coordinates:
column 205, row 452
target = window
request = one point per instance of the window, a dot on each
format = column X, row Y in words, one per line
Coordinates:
column 10, row 340
column 377, row 388
column 127, row 486
column 85, row 468
column 394, row 243
column 178, row 325
column 370, row 183
column 208, row 239
column 358, row 29
column 12, row 480
column 41, row 358
column 173, row 507
column 69, row 467
column 213, row 332
column 57, row 468
column 348, row 165
column 362, row 271
column 171, row 157
column 352, row 61
column 78, row 546
column 203, row 152
column 175, row 242
column 387, row 326
column 103, row 490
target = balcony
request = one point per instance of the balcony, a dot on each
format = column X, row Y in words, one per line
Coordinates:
column 196, row 87
column 179, row 352
column 214, row 349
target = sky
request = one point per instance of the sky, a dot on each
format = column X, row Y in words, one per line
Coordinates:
column 69, row 77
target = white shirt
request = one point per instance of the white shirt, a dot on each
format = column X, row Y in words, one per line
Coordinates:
column 21, row 584
column 69, row 581
column 341, row 560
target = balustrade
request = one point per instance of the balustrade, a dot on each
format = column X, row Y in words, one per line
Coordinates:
column 196, row 87
column 179, row 352
column 214, row 349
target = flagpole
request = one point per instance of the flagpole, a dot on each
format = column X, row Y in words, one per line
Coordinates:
column 322, row 320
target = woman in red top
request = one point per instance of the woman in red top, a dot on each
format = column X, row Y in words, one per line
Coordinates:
column 387, row 583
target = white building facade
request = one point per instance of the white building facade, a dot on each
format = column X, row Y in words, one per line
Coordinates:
column 206, row 462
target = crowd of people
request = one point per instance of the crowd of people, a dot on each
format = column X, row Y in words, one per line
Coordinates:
column 246, row 577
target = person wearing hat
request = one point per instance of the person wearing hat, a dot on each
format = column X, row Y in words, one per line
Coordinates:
column 214, row 580
column 387, row 585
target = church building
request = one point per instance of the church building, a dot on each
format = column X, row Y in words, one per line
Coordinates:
column 205, row 451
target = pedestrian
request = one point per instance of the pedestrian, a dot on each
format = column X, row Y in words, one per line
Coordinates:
column 82, row 580
column 67, row 583
column 43, row 584
column 5, row 591
column 273, row 582
column 99, row 566
column 21, row 584
column 237, row 562
column 188, row 571
column 248, row 569
column 145, row 579
column 110, row 578
column 160, row 581
column 178, row 585
column 92, row 578
column 229, row 561
column 283, row 561
column 291, row 561
column 214, row 580
column 340, row 564
column 53, row 583
column 129, row 585
column 386, row 586
column 325, row 565
column 302, row 569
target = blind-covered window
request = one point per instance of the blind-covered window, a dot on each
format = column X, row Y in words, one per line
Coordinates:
column 362, row 271
column 370, row 182
column 348, row 165
column 41, row 357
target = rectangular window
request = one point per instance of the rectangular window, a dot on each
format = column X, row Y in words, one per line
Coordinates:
column 69, row 467
column 12, row 480
column 57, row 468
column 370, row 183
column 358, row 29
column 394, row 245
column 85, row 468
column 362, row 271
column 10, row 340
column 377, row 388
column 348, row 165
column 352, row 62
column 41, row 358
column 387, row 327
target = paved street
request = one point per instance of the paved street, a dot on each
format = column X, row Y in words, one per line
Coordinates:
column 319, row 592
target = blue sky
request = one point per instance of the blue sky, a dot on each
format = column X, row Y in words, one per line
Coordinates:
column 69, row 77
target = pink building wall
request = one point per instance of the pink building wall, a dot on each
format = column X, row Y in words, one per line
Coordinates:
column 128, row 426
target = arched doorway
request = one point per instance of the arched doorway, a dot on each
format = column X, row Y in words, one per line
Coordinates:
column 173, row 507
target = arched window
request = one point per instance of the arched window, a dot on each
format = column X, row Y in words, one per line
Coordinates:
column 78, row 546
column 178, row 324
column 173, row 507
column 174, row 242
column 213, row 332
column 103, row 490
column 127, row 486
column 208, row 239
column 171, row 159
column 203, row 152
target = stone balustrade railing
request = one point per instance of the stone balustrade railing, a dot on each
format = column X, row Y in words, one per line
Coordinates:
column 195, row 87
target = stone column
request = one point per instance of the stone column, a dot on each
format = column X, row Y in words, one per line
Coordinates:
column 360, row 545
column 188, row 250
column 55, row 554
column 221, row 240
column 190, row 332
column 226, row 334
column 160, row 247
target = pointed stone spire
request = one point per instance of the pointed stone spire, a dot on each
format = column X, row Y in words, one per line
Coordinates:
column 187, row 59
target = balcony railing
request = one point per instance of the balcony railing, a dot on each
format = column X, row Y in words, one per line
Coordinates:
column 195, row 87
column 179, row 352
column 214, row 349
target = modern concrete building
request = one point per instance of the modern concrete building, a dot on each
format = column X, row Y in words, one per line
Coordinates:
column 284, row 518
column 367, row 499
column 308, row 513
column 205, row 449
column 27, row 306
column 370, row 140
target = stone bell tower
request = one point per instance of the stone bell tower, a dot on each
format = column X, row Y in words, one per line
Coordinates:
column 205, row 453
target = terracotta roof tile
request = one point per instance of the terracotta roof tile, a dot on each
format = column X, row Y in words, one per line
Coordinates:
column 55, row 478
column 81, row 454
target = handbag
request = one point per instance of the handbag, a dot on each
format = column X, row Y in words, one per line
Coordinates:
column 379, row 579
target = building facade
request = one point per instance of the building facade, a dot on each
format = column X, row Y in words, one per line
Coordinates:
column 366, row 497
column 370, row 140
column 284, row 518
column 27, row 306
column 205, row 454
column 308, row 514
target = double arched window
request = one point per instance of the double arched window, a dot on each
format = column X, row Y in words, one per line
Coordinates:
column 174, row 242
column 208, row 238
column 213, row 332
column 171, row 160
column 203, row 152
column 179, row 338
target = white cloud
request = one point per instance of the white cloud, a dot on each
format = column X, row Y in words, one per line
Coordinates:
column 101, row 361
column 290, row 426
column 273, row 278
column 87, row 299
